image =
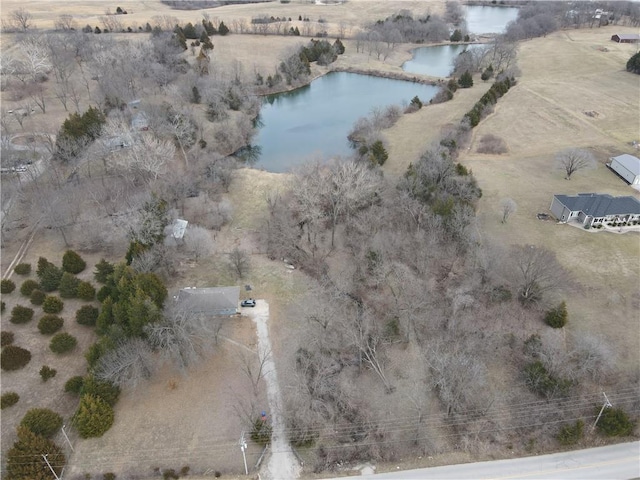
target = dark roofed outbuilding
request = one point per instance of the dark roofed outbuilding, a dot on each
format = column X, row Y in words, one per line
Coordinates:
column 626, row 37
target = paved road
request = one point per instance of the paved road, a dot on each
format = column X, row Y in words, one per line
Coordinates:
column 614, row 462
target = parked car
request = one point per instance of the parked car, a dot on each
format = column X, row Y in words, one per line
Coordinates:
column 248, row 303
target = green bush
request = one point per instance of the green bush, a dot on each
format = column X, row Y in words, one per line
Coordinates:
column 62, row 343
column 42, row 421
column 571, row 434
column 86, row 291
column 104, row 390
column 465, row 80
column 542, row 382
column 103, row 271
column 37, row 297
column 557, row 317
column 52, row 304
column 87, row 315
column 3, row 307
column 7, row 286
column 14, row 357
column 74, row 385
column 50, row 324
column 47, row 372
column 6, row 338
column 28, row 286
column 109, row 476
column 103, row 293
column 68, row 285
column 93, row 417
column 50, row 278
column 25, row 461
column 261, row 432
column 8, row 399
column 23, row 269
column 72, row 262
column 615, row 422
column 20, row 314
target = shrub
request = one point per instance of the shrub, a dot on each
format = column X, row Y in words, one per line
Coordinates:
column 8, row 399
column 103, row 293
column 62, row 343
column 50, row 324
column 28, row 286
column 52, row 304
column 42, row 421
column 87, row 315
column 543, row 382
column 7, row 286
column 47, row 372
column 14, row 357
column 50, row 280
column 261, row 432
column 109, row 476
column 24, row 459
column 6, row 338
column 571, row 434
column 74, row 385
column 615, row 422
column 93, row 417
column 491, row 144
column 37, row 297
column 3, row 307
column 68, row 285
column 557, row 317
column 170, row 474
column 633, row 64
column 104, row 390
column 465, row 80
column 20, row 314
column 72, row 262
column 23, row 269
column 86, row 291
column 103, row 271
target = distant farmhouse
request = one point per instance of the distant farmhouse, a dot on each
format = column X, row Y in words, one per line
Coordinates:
column 593, row 209
column 210, row 301
column 626, row 37
column 627, row 166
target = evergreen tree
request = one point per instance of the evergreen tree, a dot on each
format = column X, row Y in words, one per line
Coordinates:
column 25, row 459
column 103, row 271
column 633, row 64
column 222, row 29
column 93, row 417
column 68, row 285
column 456, row 36
column 72, row 262
column 465, row 80
column 378, row 154
column 189, row 31
column 338, row 47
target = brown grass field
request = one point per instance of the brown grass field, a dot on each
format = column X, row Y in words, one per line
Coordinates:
column 563, row 75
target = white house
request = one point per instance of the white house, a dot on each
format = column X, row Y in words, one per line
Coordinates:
column 627, row 166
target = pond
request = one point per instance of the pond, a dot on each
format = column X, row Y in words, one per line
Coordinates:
column 314, row 121
column 489, row 19
column 438, row 61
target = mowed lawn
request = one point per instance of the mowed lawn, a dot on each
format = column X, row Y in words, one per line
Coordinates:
column 563, row 76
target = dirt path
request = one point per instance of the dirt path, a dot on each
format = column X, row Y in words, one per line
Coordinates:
column 282, row 463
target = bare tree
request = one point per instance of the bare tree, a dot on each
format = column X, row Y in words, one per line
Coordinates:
column 198, row 242
column 254, row 367
column 239, row 262
column 538, row 272
column 147, row 157
column 128, row 364
column 507, row 208
column 21, row 18
column 182, row 336
column 593, row 357
column 65, row 22
column 573, row 159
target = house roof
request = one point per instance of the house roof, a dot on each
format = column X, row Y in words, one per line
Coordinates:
column 629, row 162
column 627, row 36
column 211, row 300
column 600, row 205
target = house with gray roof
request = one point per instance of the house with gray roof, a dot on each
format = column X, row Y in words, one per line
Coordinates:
column 592, row 209
column 626, row 37
column 627, row 166
column 213, row 301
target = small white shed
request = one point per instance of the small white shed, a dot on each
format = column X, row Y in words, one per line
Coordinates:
column 628, row 167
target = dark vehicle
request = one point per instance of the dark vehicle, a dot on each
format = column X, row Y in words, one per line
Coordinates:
column 248, row 303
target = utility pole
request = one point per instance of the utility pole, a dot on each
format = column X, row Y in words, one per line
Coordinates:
column 607, row 404
column 67, row 438
column 50, row 467
column 243, row 447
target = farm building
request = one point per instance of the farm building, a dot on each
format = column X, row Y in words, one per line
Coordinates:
column 627, row 166
column 626, row 37
column 214, row 301
column 592, row 209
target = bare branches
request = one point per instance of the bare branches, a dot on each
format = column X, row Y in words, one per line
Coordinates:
column 239, row 262
column 128, row 364
column 507, row 207
column 21, row 18
column 573, row 159
column 538, row 272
